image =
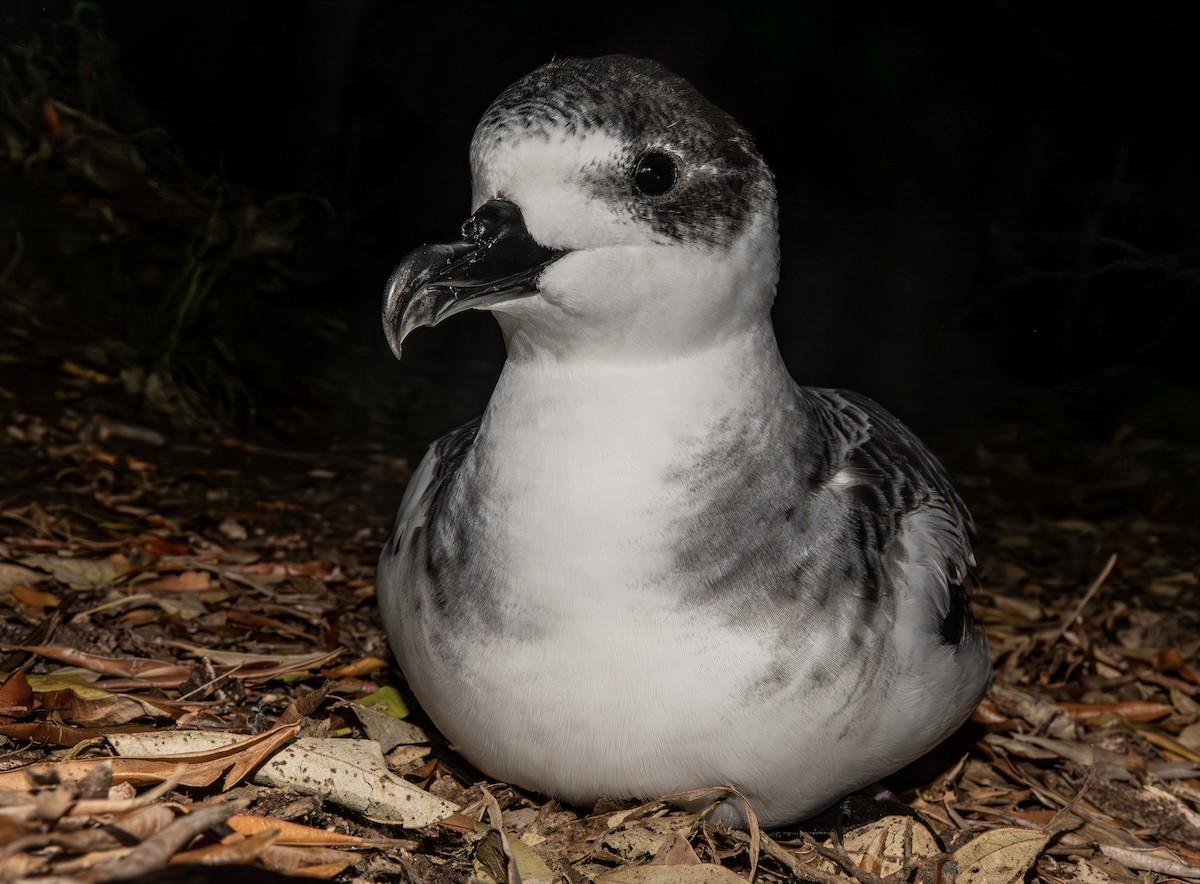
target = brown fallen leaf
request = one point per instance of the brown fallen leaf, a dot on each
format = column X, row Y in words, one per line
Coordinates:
column 323, row 871
column 879, row 847
column 161, row 673
column 361, row 666
column 293, row 859
column 76, row 573
column 1130, row 710
column 999, row 856
column 702, row 874
column 354, row 774
column 160, row 547
column 184, row 581
column 257, row 668
column 16, row 696
column 987, row 713
column 54, row 734
column 11, row 575
column 676, row 850
column 110, row 709
column 1160, row 860
column 193, row 769
column 236, row 849
column 289, row 833
column 140, row 823
column 1170, row 744
column 1171, row 660
column 281, row 570
column 34, row 598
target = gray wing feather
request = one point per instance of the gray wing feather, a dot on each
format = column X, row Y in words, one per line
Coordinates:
column 888, row 470
column 425, row 493
column 890, row 476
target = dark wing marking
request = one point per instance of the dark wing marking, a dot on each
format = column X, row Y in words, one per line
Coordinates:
column 958, row 623
column 889, row 474
column 426, row 491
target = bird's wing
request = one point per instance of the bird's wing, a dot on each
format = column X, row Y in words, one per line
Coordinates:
column 891, row 481
column 425, row 493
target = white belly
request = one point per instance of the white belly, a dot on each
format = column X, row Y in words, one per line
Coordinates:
column 594, row 667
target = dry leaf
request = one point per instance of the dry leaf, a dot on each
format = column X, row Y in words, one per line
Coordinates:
column 194, row 769
column 387, row 731
column 161, row 673
column 16, row 696
column 102, row 711
column 289, row 833
column 361, row 666
column 676, row 851
column 878, row 847
column 999, row 856
column 11, row 575
column 702, row 874
column 34, row 598
column 1159, row 860
column 1130, row 710
column 184, row 581
column 354, row 774
column 491, row 861
column 75, row 573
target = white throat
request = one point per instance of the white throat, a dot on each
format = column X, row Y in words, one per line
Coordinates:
column 583, row 459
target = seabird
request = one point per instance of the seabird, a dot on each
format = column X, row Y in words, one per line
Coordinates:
column 655, row 563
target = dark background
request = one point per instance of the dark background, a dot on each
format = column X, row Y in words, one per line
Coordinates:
column 989, row 210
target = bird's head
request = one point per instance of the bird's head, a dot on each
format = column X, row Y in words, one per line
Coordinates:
column 617, row 212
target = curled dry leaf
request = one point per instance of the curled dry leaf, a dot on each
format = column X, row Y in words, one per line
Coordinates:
column 200, row 768
column 163, row 673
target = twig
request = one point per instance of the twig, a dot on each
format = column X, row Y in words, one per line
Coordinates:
column 784, row 856
column 1069, row 807
column 156, row 851
column 1087, row 597
column 838, row 855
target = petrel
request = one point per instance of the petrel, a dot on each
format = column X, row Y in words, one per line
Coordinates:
column 655, row 563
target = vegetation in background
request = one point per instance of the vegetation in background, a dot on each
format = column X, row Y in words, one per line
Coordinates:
column 112, row 247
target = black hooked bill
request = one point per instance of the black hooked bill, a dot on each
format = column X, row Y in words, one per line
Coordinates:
column 497, row 260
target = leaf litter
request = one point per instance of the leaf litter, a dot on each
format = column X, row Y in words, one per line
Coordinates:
column 195, row 673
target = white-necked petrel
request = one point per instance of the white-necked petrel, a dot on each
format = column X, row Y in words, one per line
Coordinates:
column 655, row 563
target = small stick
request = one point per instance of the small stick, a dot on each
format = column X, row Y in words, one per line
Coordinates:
column 1087, row 597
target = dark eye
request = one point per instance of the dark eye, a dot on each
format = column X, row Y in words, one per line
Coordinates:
column 654, row 174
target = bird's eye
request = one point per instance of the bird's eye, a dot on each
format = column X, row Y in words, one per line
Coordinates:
column 654, row 174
